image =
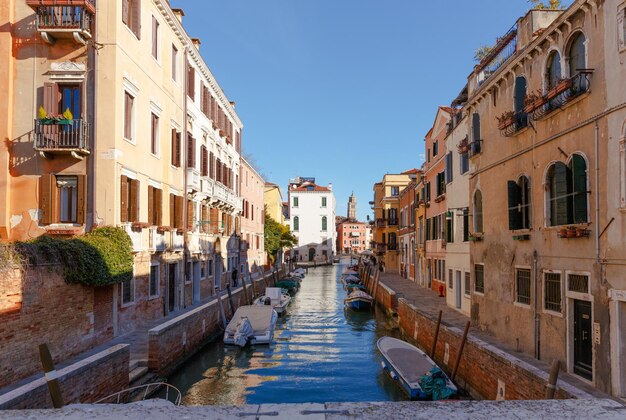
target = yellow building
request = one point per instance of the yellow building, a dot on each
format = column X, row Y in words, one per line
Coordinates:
column 274, row 202
column 386, row 220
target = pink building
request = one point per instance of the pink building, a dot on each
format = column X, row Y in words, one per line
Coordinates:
column 252, row 217
column 351, row 236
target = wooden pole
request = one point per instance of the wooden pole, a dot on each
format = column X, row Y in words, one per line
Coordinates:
column 458, row 356
column 230, row 300
column 554, row 376
column 245, row 289
column 222, row 312
column 377, row 280
column 51, row 376
column 432, row 350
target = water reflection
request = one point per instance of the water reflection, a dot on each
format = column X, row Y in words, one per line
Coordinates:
column 322, row 352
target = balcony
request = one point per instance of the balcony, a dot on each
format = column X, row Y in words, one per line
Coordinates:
column 64, row 19
column 177, row 241
column 392, row 246
column 193, row 179
column 136, row 237
column 504, row 49
column 392, row 222
column 475, row 148
column 69, row 136
column 157, row 240
column 510, row 123
column 564, row 92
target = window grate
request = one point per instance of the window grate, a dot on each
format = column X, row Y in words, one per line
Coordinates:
column 479, row 278
column 450, row 279
column 578, row 283
column 552, row 292
column 467, row 284
column 522, row 285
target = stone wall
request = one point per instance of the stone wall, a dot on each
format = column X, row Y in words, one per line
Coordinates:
column 45, row 309
column 81, row 382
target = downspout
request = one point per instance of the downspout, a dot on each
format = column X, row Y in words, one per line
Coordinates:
column 91, row 159
column 535, row 310
column 184, row 157
column 596, row 193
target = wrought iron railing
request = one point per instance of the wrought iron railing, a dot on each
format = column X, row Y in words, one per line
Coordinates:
column 70, row 15
column 499, row 54
column 562, row 93
column 475, row 147
column 73, row 135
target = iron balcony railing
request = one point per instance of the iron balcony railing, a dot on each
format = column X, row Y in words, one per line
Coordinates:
column 559, row 95
column 498, row 55
column 64, row 15
column 475, row 147
column 71, row 136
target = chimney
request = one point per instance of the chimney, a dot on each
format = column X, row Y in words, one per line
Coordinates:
column 330, row 186
column 232, row 103
column 196, row 42
column 179, row 14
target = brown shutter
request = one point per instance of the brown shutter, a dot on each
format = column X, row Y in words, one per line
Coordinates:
column 159, row 207
column 193, row 155
column 50, row 98
column 205, row 161
column 212, row 165
column 124, row 199
column 179, row 212
column 178, row 149
column 80, row 202
column 190, row 151
column 150, row 205
column 125, row 10
column 155, row 50
column 172, row 210
column 128, row 116
column 134, row 200
column 205, row 219
column 136, row 16
column 190, row 215
column 47, row 194
column 173, row 150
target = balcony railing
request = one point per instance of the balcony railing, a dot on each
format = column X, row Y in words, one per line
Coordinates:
column 497, row 56
column 54, row 137
column 475, row 147
column 562, row 93
column 193, row 179
column 392, row 247
column 62, row 17
column 512, row 122
column 392, row 222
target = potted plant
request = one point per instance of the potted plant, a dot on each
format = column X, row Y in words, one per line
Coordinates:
column 561, row 86
column 571, row 232
column 562, row 232
column 163, row 229
column 48, row 119
column 533, row 101
column 505, row 119
column 463, row 146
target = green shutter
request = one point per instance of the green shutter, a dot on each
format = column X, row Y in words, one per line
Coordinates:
column 559, row 198
column 514, row 195
column 579, row 189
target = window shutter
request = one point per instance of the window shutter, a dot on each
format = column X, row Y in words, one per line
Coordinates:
column 125, row 10
column 178, row 149
column 205, row 161
column 173, row 156
column 47, row 195
column 212, row 165
column 124, row 198
column 80, row 202
column 155, row 37
column 178, row 212
column 190, row 214
column 50, row 98
column 559, row 199
column 579, row 186
column 205, row 218
column 158, row 216
column 134, row 200
column 172, row 210
column 190, row 150
column 515, row 199
column 136, row 16
column 475, row 126
column 150, row 205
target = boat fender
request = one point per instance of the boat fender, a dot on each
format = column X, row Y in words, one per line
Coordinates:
column 268, row 301
column 393, row 375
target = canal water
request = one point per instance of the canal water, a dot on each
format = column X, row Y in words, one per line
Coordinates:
column 321, row 353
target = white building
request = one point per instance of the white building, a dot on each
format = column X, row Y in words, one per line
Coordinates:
column 312, row 219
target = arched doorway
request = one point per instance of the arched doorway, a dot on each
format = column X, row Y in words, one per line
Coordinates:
column 311, row 254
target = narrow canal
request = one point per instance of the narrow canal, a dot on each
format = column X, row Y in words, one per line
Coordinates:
column 321, row 353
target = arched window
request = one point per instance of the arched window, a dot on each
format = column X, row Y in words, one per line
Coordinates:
column 553, row 70
column 478, row 212
column 576, row 60
column 324, row 224
column 519, row 203
column 296, row 224
column 567, row 192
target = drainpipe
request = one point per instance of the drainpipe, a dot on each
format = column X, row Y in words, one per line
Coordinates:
column 535, row 310
column 184, row 157
column 90, row 222
column 596, row 193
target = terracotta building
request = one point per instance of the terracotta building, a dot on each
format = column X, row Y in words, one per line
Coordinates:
column 351, row 238
column 406, row 229
column 252, row 217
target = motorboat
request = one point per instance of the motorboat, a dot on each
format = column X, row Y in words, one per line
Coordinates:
column 251, row 324
column 358, row 300
column 290, row 284
column 414, row 371
column 276, row 298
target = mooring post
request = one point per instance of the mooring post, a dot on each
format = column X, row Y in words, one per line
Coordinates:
column 458, row 356
column 245, row 289
column 51, row 376
column 554, row 376
column 376, row 285
column 230, row 300
column 222, row 312
column 432, row 350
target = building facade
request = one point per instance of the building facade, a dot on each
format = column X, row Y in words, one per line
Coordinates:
column 312, row 218
column 351, row 237
column 252, row 217
column 352, row 207
column 406, row 231
column 273, row 199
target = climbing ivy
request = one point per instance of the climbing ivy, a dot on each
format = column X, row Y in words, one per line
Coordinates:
column 99, row 258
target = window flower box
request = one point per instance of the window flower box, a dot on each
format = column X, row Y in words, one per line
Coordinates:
column 139, row 225
column 570, row 232
column 533, row 101
column 506, row 119
column 463, row 146
column 475, row 237
column 561, row 87
column 162, row 229
column 440, row 198
column 55, row 121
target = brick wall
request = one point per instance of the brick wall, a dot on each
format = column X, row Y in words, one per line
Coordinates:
column 86, row 381
column 48, row 310
column 483, row 367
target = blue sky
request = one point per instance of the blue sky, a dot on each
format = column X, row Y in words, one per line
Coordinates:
column 342, row 90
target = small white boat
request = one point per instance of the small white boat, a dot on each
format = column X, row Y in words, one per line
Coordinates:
column 275, row 297
column 414, row 371
column 298, row 272
column 252, row 324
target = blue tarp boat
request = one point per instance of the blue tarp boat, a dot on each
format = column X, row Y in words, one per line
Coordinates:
column 358, row 300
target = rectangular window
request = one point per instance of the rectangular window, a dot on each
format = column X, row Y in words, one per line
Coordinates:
column 202, row 270
column 154, row 280
column 467, row 284
column 191, row 151
column 155, row 38
column 395, row 191
column 176, row 148
column 479, row 278
column 427, row 195
column 210, row 267
column 450, row 279
column 69, row 97
column 131, row 15
column 154, row 134
column 129, row 203
column 552, row 292
column 128, row 291
column 155, row 204
column 68, row 198
column 441, row 184
column 578, row 283
column 522, row 286
column 435, row 148
column 449, row 172
column 323, row 201
column 450, row 226
column 204, row 163
column 129, row 117
column 174, row 63
column 295, row 201
column 464, row 163
column 465, row 225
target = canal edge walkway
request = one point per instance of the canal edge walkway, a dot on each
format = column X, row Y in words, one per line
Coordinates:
column 401, row 296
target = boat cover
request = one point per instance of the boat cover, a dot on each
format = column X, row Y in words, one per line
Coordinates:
column 350, row 272
column 359, row 294
column 274, row 293
column 435, row 385
column 259, row 316
column 243, row 332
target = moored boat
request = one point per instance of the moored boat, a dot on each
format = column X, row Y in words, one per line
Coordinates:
column 252, row 324
column 414, row 371
column 276, row 298
column 358, row 300
column 290, row 284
